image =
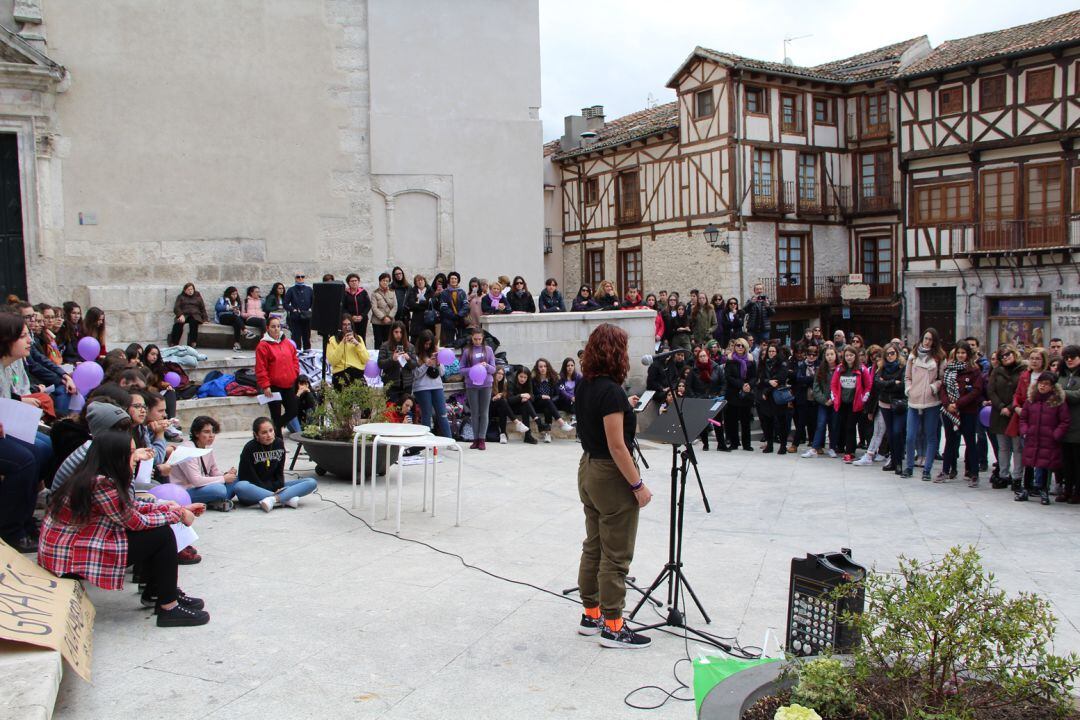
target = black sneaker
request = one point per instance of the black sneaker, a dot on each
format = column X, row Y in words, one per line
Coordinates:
column 529, row 438
column 181, row 616
column 149, row 599
column 625, row 638
column 907, row 473
column 590, row 626
column 926, row 477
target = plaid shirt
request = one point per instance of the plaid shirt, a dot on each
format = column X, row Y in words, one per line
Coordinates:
column 97, row 550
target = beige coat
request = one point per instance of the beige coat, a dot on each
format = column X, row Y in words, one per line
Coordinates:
column 383, row 306
column 923, row 381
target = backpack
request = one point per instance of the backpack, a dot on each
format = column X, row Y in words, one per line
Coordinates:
column 246, row 377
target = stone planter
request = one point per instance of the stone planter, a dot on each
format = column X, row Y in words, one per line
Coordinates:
column 734, row 695
column 334, row 457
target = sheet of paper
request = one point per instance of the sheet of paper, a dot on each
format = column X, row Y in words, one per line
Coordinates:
column 184, row 535
column 186, row 452
column 272, row 397
column 144, row 475
column 20, row 419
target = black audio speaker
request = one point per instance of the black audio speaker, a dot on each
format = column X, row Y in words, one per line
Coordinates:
column 326, row 307
column 814, row 623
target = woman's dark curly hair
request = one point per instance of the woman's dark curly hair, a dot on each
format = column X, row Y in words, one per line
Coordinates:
column 606, row 353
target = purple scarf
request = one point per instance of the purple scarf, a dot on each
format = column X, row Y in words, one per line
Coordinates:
column 742, row 360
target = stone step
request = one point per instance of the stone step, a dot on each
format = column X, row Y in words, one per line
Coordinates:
column 237, row 413
column 31, row 680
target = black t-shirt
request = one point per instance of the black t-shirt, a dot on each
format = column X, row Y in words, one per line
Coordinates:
column 593, row 400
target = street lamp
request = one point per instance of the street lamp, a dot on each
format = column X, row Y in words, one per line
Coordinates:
column 712, row 236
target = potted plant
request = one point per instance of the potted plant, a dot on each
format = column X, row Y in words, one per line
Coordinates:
column 327, row 437
column 939, row 641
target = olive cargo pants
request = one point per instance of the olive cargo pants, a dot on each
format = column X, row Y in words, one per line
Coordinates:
column 611, row 520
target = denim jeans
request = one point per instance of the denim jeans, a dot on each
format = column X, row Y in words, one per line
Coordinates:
column 1042, row 480
column 824, row 420
column 928, row 422
column 18, row 491
column 433, row 402
column 896, row 426
column 249, row 493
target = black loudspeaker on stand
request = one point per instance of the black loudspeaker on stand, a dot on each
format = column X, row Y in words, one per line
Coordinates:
column 675, row 424
column 326, row 311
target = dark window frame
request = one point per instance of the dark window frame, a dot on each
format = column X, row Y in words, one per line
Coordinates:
column 621, row 261
column 763, row 99
column 829, row 105
column 988, row 90
column 700, row 95
column 590, row 190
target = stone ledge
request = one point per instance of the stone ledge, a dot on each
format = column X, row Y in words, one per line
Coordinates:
column 31, row 681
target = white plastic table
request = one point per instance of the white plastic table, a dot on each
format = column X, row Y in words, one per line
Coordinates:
column 376, row 431
column 428, row 442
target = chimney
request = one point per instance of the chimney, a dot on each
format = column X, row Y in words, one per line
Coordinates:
column 594, row 117
column 588, row 138
column 573, row 126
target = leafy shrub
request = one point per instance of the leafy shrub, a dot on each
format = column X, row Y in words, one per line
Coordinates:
column 343, row 408
column 826, row 686
column 795, row 712
column 940, row 641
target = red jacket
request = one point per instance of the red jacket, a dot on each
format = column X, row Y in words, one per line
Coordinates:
column 276, row 363
column 97, row 551
column 972, row 386
column 861, row 389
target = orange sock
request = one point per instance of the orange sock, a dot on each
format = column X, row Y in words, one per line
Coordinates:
column 613, row 624
column 593, row 612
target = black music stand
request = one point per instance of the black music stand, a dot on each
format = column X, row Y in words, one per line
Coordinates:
column 676, row 424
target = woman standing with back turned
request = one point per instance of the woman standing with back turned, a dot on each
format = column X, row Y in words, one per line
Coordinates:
column 610, row 486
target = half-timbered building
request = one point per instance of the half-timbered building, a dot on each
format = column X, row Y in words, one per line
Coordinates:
column 988, row 127
column 797, row 167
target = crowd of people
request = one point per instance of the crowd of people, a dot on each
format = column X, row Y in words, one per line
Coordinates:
column 1014, row 411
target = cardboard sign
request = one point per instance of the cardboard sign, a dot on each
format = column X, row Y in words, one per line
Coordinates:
column 38, row 608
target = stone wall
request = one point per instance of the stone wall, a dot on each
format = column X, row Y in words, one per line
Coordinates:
column 555, row 336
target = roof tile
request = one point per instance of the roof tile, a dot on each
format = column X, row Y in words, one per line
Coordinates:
column 986, row 46
column 635, row 126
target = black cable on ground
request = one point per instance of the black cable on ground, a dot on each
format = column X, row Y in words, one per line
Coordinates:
column 443, row 552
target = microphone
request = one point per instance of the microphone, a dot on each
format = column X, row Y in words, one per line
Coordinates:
column 650, row 359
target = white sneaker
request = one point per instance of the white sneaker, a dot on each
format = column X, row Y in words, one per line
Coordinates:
column 880, row 458
column 293, row 502
column 573, row 420
column 866, row 459
column 267, row 503
column 547, row 437
column 502, row 438
column 565, row 426
column 521, row 427
column 811, row 453
column 831, row 453
column 236, row 347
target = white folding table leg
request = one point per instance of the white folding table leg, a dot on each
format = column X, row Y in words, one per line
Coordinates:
column 386, row 478
column 400, row 472
column 355, row 439
column 434, row 469
column 427, row 452
column 460, row 459
column 374, row 472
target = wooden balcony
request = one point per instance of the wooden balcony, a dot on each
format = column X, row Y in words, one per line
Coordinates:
column 628, row 215
column 772, row 197
column 859, row 129
column 872, row 198
column 1045, row 233
column 813, row 199
column 797, row 289
column 792, row 121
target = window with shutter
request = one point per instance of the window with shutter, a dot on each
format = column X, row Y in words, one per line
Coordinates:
column 1039, row 85
column 950, row 100
column 992, row 93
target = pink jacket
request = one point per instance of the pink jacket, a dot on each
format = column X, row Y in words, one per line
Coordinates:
column 197, row 472
column 861, row 389
column 252, row 308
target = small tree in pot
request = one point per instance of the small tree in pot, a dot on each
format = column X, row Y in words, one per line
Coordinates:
column 343, row 408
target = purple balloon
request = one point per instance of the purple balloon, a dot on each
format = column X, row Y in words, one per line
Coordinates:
column 89, row 348
column 172, row 378
column 446, row 356
column 87, row 376
column 371, row 370
column 984, row 416
column 169, row 491
column 478, row 374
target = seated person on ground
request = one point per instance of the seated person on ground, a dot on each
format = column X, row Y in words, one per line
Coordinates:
column 262, row 467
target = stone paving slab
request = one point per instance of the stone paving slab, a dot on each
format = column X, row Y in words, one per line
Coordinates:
column 314, row 616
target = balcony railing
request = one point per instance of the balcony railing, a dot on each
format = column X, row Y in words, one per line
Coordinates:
column 860, row 128
column 772, row 197
column 815, row 199
column 1048, row 232
column 792, row 120
column 872, row 197
column 800, row 289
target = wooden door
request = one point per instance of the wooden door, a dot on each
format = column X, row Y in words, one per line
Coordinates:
column 12, row 259
column 937, row 309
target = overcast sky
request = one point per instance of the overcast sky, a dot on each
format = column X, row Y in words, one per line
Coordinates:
column 616, row 52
